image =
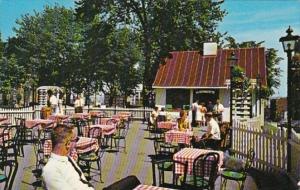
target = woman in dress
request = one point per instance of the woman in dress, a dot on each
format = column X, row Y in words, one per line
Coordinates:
column 202, row 111
column 183, row 122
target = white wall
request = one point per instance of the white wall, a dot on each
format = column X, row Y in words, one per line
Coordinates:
column 160, row 96
column 224, row 95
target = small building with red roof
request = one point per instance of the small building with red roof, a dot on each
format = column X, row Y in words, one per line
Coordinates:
column 189, row 76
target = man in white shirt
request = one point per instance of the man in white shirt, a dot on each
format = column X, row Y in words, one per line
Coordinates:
column 212, row 138
column 53, row 101
column 218, row 109
column 61, row 171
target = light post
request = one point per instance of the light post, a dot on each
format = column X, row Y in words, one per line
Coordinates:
column 288, row 43
column 258, row 83
column 233, row 60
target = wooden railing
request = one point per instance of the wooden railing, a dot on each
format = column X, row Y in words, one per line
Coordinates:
column 269, row 144
column 30, row 113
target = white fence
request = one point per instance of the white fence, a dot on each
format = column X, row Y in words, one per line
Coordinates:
column 269, row 144
column 30, row 113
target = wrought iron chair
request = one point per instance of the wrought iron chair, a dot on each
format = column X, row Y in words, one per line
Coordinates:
column 122, row 130
column 93, row 156
column 205, row 168
column 163, row 153
column 163, row 167
column 9, row 145
column 23, row 135
column 238, row 176
column 8, row 171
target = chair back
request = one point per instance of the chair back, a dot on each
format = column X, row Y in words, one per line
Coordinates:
column 95, row 132
column 112, row 122
column 127, row 183
column 206, row 166
column 9, row 170
column 249, row 159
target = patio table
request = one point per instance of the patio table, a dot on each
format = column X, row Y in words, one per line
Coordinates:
column 58, row 118
column 80, row 116
column 105, row 129
column 174, row 136
column 190, row 154
column 166, row 125
column 4, row 120
column 83, row 145
column 31, row 123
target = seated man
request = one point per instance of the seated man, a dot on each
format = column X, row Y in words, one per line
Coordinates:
column 211, row 139
column 61, row 171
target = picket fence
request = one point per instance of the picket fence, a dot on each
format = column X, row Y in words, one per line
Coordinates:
column 269, row 145
column 30, row 113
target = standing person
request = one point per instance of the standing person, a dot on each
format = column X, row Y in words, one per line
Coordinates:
column 194, row 113
column 202, row 110
column 61, row 171
column 78, row 105
column 60, row 103
column 210, row 107
column 53, row 101
column 218, row 109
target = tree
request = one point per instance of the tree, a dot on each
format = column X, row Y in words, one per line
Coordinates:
column 163, row 25
column 272, row 64
column 11, row 77
column 50, row 45
column 121, row 75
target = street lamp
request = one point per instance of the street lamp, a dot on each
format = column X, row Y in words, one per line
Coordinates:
column 233, row 60
column 258, row 83
column 288, row 43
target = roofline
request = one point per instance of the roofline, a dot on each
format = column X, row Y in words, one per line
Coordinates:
column 191, row 87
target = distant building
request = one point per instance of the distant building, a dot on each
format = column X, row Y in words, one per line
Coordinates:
column 278, row 109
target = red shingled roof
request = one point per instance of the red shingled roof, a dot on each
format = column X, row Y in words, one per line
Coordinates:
column 189, row 69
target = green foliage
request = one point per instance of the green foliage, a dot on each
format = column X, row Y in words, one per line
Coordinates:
column 272, row 64
column 11, row 75
column 49, row 45
column 163, row 26
column 239, row 81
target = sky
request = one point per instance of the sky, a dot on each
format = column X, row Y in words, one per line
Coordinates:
column 247, row 20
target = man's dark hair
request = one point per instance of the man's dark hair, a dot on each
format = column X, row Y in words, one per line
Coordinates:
column 60, row 134
column 49, row 92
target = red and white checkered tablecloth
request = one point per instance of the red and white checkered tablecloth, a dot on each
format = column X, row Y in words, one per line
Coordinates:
column 83, row 145
column 104, row 120
column 39, row 122
column 105, row 129
column 96, row 113
column 81, row 116
column 174, row 136
column 166, row 125
column 4, row 120
column 150, row 187
column 58, row 118
column 6, row 135
column 190, row 154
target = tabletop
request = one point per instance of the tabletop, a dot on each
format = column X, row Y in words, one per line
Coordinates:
column 167, row 125
column 190, row 154
column 39, row 122
column 83, row 145
column 174, row 136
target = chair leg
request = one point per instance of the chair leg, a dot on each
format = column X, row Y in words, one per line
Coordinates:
column 153, row 173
